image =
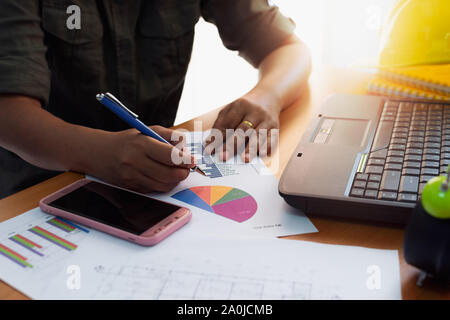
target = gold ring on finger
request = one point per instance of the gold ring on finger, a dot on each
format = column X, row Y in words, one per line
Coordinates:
column 249, row 123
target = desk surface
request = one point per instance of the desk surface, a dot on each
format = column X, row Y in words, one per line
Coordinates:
column 294, row 120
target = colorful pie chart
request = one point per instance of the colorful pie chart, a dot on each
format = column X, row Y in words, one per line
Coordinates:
column 229, row 202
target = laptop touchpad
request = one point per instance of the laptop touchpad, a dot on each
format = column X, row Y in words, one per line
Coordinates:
column 340, row 131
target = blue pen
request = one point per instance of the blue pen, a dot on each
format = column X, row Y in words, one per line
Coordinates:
column 113, row 104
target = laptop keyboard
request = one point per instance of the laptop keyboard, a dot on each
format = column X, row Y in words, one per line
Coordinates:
column 411, row 146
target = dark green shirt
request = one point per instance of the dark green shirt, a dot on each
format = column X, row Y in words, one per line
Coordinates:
column 137, row 49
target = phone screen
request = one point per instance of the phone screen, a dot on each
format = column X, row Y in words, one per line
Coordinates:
column 115, row 207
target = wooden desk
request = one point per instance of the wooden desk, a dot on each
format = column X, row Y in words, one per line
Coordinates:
column 293, row 123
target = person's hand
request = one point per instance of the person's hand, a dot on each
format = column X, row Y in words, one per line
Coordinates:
column 134, row 161
column 255, row 121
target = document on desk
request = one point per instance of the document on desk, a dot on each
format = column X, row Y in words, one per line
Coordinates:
column 34, row 247
column 224, row 268
column 234, row 198
column 44, row 261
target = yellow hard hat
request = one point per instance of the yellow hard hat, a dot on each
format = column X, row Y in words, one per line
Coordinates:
column 416, row 32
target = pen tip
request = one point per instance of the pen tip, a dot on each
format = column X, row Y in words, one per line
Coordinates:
column 200, row 171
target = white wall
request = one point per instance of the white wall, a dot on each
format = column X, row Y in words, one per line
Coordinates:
column 338, row 32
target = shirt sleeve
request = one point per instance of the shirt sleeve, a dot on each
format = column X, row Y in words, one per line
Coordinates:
column 23, row 66
column 252, row 27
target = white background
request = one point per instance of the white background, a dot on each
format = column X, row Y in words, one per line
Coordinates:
column 338, row 32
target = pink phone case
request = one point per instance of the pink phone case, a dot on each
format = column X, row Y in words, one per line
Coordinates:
column 150, row 237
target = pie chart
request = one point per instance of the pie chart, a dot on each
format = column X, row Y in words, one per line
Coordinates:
column 229, row 202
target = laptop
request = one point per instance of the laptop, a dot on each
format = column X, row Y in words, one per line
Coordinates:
column 368, row 158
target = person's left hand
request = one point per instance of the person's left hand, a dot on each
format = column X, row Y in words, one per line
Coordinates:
column 255, row 119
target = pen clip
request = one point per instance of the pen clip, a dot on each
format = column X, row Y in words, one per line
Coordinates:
column 120, row 104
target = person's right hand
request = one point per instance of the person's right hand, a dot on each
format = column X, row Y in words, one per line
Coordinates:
column 134, row 161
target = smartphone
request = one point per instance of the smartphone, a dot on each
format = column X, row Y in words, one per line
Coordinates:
column 119, row 212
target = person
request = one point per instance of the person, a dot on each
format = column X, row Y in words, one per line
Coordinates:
column 50, row 72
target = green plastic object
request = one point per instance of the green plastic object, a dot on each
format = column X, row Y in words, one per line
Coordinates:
column 436, row 198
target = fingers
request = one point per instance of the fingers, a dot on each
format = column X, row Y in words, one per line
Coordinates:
column 167, row 154
column 235, row 143
column 163, row 132
column 163, row 174
column 213, row 142
column 251, row 149
column 245, row 127
column 148, row 175
column 261, row 143
column 230, row 117
column 177, row 138
column 143, row 164
column 242, row 135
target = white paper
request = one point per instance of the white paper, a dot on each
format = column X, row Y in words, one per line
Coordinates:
column 273, row 216
column 44, row 262
column 235, row 269
column 182, row 267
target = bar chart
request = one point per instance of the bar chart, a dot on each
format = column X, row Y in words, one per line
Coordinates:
column 53, row 238
column 65, row 225
column 208, row 164
column 27, row 244
column 14, row 256
column 40, row 241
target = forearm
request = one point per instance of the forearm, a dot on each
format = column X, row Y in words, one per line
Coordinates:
column 43, row 139
column 125, row 158
column 282, row 75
